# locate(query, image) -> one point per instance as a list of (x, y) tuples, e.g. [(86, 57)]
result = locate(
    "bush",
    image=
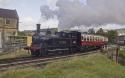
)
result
[(122, 53)]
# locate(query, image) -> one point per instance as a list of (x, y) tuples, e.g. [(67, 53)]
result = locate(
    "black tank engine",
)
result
[(61, 42)]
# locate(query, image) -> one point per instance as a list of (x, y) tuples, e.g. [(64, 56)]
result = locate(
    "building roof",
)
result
[(7, 13)]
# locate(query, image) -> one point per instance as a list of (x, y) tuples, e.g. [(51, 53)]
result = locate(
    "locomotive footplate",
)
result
[(53, 50)]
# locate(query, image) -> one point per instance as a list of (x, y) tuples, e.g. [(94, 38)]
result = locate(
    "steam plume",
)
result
[(71, 13)]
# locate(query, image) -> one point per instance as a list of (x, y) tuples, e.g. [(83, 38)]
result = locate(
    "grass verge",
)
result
[(92, 66), (17, 54)]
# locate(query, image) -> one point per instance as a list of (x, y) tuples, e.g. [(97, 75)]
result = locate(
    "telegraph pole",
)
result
[(3, 38)]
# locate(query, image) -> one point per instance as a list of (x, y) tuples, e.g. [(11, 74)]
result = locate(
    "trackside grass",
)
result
[(92, 66), (17, 54)]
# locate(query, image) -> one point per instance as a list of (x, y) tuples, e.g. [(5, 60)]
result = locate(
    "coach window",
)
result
[(97, 39), (87, 38), (84, 38), (94, 38), (100, 39), (91, 38), (103, 39)]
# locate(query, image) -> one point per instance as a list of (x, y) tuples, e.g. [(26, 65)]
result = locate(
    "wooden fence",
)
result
[(14, 45), (112, 52)]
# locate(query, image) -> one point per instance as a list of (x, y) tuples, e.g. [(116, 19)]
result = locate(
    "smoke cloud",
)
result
[(47, 13), (71, 13)]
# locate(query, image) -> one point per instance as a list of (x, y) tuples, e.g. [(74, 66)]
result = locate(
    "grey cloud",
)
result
[(46, 12), (73, 13), (3, 2)]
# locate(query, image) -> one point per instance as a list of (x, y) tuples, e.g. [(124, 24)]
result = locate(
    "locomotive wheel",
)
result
[(32, 53), (35, 53), (43, 52), (82, 49)]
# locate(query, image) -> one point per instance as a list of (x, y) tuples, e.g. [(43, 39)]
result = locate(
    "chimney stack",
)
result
[(38, 28)]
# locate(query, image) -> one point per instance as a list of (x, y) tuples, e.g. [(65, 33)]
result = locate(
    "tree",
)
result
[(21, 33), (100, 32), (112, 36), (91, 31)]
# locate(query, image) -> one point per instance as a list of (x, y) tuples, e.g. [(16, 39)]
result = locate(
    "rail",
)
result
[(39, 61)]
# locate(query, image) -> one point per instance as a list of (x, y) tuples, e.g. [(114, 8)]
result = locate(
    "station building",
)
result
[(9, 24)]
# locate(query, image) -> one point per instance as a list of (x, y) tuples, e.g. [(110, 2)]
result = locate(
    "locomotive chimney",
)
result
[(38, 28)]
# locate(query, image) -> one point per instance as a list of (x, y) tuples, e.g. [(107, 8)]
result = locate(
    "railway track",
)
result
[(9, 60), (29, 62)]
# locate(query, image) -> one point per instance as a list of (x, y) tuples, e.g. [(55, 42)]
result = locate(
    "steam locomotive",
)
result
[(64, 43)]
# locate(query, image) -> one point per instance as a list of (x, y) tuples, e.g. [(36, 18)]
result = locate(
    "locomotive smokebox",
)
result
[(38, 28)]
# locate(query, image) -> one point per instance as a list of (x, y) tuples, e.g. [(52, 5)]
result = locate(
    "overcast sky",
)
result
[(30, 14)]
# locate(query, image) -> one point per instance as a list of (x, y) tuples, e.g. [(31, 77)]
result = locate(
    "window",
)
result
[(87, 38), (97, 39), (7, 21)]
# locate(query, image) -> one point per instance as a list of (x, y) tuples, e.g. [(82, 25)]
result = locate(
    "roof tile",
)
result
[(7, 13)]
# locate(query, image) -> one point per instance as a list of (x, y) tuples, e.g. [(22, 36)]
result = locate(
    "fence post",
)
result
[(117, 53)]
